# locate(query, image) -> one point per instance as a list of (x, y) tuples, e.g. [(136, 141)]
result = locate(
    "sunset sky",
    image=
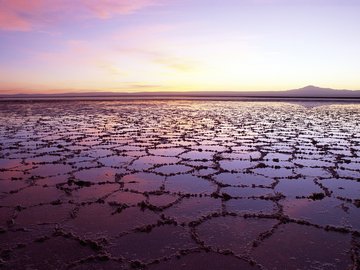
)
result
[(49, 46)]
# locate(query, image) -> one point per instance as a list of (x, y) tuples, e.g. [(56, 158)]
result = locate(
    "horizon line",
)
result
[(115, 93)]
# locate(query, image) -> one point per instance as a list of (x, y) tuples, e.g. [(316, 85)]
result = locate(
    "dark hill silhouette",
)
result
[(314, 91)]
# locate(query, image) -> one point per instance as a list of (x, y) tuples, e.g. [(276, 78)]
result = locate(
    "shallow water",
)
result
[(179, 184)]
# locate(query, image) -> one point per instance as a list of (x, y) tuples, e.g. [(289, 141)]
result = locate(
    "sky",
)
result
[(58, 46)]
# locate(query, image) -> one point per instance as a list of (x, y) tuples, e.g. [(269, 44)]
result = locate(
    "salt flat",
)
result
[(179, 184)]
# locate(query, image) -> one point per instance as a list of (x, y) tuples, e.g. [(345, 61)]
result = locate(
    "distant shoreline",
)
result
[(309, 92), (175, 97)]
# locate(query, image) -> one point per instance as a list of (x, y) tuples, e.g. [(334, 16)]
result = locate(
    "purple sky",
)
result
[(177, 45)]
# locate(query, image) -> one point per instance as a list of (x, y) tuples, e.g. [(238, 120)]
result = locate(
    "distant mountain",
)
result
[(305, 92), (313, 91)]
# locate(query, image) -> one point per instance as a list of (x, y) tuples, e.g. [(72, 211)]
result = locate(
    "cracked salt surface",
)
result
[(179, 185)]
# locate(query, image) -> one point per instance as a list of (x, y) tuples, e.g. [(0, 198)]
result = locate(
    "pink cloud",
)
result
[(12, 22), (25, 15), (108, 8)]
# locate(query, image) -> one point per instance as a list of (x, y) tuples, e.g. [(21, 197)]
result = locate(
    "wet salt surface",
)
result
[(179, 185)]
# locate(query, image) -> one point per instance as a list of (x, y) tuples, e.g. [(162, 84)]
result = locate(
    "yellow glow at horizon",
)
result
[(225, 66)]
